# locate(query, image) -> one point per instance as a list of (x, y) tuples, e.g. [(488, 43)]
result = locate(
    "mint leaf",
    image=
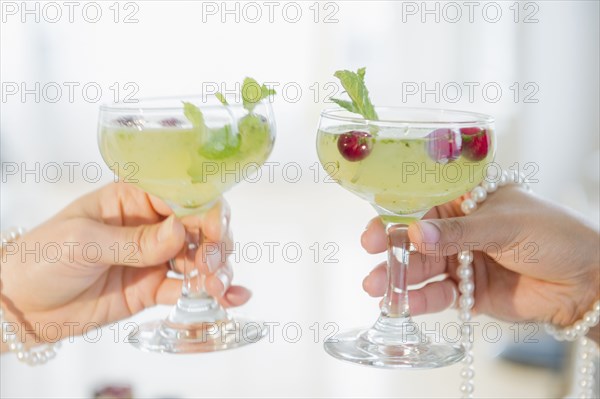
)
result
[(354, 84), (213, 143), (193, 114), (346, 104), (222, 143), (221, 98), (253, 93), (254, 132)]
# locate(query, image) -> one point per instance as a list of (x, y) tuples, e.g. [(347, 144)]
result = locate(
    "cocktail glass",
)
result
[(154, 145), (405, 163)]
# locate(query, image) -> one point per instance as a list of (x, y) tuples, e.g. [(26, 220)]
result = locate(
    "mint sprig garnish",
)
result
[(221, 98), (226, 141), (194, 115), (215, 143), (252, 93), (354, 85)]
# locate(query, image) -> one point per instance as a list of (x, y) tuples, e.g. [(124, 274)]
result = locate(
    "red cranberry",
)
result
[(444, 145), (355, 145), (129, 121), (170, 122), (475, 143)]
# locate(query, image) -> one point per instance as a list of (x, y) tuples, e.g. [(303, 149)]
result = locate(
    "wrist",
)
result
[(16, 333)]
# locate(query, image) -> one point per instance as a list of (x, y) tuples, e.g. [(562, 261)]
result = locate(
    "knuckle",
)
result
[(140, 240), (454, 229)]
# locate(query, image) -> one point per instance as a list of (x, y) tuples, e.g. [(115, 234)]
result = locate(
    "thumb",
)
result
[(143, 245), (452, 235)]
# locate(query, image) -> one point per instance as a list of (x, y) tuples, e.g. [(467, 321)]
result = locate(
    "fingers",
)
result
[(421, 269), (434, 297), (215, 223), (159, 205), (139, 246), (170, 289), (236, 295), (376, 282), (218, 283), (374, 239), (452, 235)]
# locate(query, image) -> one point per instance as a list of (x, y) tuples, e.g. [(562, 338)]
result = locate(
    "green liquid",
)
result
[(168, 162), (398, 176)]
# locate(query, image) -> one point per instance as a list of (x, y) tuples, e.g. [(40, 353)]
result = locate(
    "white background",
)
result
[(175, 47)]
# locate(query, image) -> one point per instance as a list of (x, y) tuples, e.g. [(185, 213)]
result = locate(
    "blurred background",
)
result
[(533, 65)]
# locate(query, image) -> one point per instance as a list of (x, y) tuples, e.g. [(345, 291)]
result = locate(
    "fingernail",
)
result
[(235, 297), (370, 223), (213, 257), (225, 280), (166, 230), (364, 283), (455, 297), (429, 232)]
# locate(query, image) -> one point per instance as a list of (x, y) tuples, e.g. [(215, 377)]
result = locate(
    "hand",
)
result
[(540, 261), (105, 257)]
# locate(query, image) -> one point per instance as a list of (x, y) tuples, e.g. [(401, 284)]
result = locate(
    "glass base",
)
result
[(195, 326), (393, 343)]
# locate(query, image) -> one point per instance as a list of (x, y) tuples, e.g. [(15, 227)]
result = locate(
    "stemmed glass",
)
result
[(405, 163), (188, 160)]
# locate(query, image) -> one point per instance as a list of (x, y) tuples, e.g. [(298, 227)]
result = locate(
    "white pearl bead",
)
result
[(580, 328), (468, 360), (570, 334), (467, 302), (464, 316), (514, 177), (591, 318), (465, 257), (588, 370), (466, 287), (33, 359), (468, 206), (584, 383), (466, 387), (478, 194), (489, 186), (464, 272), (23, 356), (503, 180), (597, 307), (467, 372)]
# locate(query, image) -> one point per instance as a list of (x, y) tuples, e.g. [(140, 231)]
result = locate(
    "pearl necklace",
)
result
[(466, 286)]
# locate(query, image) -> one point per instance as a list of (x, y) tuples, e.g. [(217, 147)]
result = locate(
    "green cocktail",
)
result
[(188, 154), (403, 173)]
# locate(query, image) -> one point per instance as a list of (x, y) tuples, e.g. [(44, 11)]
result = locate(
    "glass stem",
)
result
[(193, 280), (194, 305), (395, 301)]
